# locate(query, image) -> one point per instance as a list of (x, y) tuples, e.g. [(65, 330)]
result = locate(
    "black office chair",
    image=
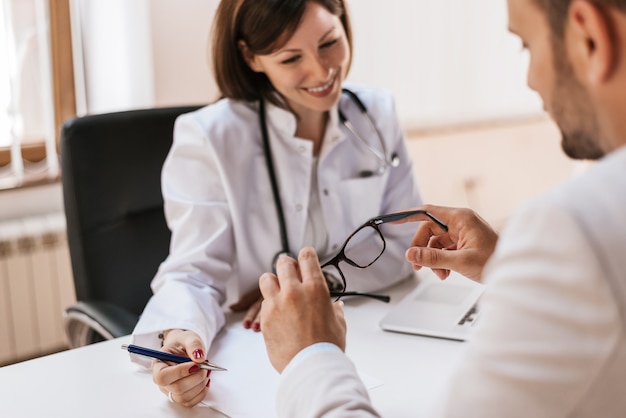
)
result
[(117, 234)]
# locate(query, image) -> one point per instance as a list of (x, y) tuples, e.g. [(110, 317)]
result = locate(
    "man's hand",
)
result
[(465, 248), (297, 310)]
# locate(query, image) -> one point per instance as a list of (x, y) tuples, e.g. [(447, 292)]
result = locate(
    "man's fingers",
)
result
[(310, 266), (287, 271), (269, 286), (442, 273), (432, 257), (422, 235), (338, 308)]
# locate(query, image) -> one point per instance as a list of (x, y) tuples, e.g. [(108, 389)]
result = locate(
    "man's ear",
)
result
[(249, 56), (590, 42)]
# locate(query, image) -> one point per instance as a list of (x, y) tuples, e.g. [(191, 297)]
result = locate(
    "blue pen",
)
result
[(162, 355)]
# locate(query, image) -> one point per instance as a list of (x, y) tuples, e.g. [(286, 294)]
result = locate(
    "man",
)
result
[(551, 341)]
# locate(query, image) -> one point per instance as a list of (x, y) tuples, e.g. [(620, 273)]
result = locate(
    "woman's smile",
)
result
[(324, 90)]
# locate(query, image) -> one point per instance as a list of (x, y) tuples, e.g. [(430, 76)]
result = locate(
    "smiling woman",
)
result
[(36, 82)]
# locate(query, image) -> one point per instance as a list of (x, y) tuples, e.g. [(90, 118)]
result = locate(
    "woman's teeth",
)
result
[(322, 88)]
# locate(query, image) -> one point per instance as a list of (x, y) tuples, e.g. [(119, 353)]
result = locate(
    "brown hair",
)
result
[(265, 26), (556, 12)]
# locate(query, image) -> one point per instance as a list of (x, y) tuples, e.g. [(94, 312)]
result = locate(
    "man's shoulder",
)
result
[(592, 202), (601, 186)]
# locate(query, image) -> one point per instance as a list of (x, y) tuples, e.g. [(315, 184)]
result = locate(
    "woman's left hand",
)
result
[(251, 302)]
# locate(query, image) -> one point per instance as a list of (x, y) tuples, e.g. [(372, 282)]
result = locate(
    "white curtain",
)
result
[(116, 55), (26, 104)]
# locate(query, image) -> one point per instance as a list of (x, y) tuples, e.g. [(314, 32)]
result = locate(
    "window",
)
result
[(36, 88)]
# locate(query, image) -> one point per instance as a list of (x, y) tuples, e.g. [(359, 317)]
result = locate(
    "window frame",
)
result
[(63, 89)]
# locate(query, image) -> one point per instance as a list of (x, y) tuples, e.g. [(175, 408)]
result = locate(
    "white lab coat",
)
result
[(220, 208)]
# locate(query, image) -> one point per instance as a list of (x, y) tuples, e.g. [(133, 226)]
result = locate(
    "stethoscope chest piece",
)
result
[(381, 155), (395, 160)]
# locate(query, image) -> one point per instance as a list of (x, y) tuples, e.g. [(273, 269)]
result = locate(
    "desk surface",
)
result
[(100, 381)]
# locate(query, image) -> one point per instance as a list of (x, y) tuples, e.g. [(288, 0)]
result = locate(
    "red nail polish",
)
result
[(198, 354), (246, 324), (208, 383), (256, 326), (194, 369), (208, 373)]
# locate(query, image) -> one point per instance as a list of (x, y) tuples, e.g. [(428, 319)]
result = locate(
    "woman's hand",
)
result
[(186, 383), (251, 302)]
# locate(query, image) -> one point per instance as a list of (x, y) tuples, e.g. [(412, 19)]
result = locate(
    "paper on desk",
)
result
[(248, 387)]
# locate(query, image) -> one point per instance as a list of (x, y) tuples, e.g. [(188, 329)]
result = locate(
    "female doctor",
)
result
[(284, 160)]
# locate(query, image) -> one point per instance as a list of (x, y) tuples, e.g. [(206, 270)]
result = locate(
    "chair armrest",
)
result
[(89, 322)]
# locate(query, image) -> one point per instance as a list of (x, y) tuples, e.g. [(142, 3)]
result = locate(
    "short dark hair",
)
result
[(556, 12), (265, 26)]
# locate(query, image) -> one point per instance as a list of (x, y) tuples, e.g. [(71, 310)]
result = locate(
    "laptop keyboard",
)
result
[(470, 316)]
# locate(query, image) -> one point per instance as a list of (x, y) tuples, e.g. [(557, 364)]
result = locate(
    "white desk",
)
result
[(100, 381)]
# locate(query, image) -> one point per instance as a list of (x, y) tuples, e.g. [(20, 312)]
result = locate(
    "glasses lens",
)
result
[(365, 247), (333, 278)]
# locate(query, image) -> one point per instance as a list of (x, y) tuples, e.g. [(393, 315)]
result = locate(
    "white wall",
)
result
[(180, 54), (144, 53), (31, 201), (447, 61)]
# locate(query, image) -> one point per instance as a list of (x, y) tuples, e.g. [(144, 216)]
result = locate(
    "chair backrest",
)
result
[(111, 176)]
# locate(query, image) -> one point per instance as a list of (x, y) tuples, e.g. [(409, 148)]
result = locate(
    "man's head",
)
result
[(577, 52)]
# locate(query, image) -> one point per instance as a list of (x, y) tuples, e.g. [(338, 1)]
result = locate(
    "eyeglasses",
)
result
[(357, 253)]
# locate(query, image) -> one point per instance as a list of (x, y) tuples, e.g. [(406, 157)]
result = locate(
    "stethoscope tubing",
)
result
[(282, 224), (393, 162), (387, 162)]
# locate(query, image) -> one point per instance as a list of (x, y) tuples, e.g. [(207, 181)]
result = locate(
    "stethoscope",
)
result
[(386, 162)]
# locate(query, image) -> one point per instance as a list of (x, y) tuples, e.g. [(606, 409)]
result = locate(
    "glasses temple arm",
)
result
[(393, 217), (382, 298)]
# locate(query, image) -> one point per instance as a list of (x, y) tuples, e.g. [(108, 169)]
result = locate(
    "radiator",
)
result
[(36, 285)]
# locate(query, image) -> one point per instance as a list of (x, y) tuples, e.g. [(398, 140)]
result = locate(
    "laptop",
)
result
[(436, 308)]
